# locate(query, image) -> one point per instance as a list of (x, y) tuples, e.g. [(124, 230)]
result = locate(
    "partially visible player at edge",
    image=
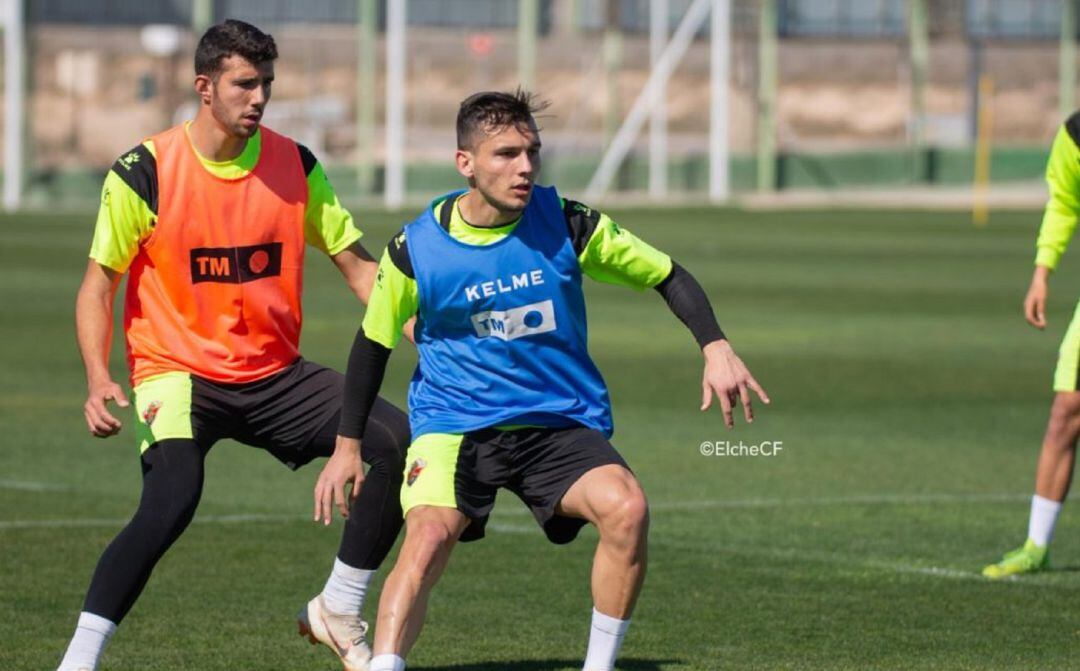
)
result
[(1055, 467), (209, 220), (505, 394)]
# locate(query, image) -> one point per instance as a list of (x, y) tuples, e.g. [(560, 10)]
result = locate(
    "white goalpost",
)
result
[(14, 107), (394, 189)]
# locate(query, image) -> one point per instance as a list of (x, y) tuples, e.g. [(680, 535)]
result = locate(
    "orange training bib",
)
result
[(215, 290)]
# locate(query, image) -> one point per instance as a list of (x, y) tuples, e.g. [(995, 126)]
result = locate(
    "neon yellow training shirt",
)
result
[(1063, 208)]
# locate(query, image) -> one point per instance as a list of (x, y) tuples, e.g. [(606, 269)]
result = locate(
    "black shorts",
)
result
[(537, 464), (282, 413)]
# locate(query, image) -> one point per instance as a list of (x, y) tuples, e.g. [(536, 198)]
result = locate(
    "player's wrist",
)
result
[(716, 348), (98, 378), (347, 445)]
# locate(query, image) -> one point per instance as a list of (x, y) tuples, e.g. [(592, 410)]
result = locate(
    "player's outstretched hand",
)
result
[(343, 468), (98, 418), (727, 377), (1035, 300)]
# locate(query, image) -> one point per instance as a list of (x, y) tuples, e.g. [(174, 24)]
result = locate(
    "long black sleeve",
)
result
[(363, 377), (688, 301)]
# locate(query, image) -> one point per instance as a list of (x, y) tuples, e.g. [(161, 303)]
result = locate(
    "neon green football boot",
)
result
[(1029, 558)]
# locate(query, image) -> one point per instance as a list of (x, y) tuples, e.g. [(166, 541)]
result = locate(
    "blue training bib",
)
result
[(501, 330)]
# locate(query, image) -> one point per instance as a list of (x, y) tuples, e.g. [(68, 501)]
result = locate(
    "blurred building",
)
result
[(843, 105)]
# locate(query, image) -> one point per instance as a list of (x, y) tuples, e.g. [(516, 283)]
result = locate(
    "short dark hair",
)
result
[(490, 111), (232, 38)]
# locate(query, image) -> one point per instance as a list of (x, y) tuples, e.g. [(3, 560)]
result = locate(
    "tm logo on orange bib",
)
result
[(235, 265)]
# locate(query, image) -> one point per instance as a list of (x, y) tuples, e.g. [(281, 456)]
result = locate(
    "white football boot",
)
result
[(344, 634)]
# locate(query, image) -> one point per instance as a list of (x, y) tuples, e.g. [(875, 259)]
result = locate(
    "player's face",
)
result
[(503, 165), (238, 95)]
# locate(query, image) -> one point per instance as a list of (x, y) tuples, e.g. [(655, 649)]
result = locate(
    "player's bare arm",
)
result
[(93, 327), (1035, 300), (359, 269)]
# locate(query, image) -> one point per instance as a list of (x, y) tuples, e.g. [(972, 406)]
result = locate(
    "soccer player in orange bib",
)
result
[(210, 221)]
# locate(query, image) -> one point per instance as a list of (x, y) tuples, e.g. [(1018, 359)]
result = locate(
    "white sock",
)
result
[(346, 588), (605, 638), (1044, 514), (91, 635), (386, 663)]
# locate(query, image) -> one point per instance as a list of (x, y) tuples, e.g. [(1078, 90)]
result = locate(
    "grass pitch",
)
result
[(908, 394)]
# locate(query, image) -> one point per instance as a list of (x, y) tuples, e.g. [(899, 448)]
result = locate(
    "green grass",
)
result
[(909, 395)]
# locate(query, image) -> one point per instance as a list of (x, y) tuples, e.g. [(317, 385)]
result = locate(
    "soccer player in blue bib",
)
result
[(505, 394)]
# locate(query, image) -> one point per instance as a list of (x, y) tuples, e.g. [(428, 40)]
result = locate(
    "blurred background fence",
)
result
[(820, 94)]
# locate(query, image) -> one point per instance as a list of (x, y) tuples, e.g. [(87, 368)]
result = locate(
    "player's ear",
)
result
[(464, 160), (203, 88)]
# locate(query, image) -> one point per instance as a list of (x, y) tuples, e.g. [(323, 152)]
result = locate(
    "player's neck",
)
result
[(212, 141), (479, 213)]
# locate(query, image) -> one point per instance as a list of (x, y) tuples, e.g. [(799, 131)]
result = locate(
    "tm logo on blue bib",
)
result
[(516, 323)]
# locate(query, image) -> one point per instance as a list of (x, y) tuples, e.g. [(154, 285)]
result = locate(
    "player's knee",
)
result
[(1064, 424), (626, 523), (431, 535), (158, 522), (175, 512), (428, 542)]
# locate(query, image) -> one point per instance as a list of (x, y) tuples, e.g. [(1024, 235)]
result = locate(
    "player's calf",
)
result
[(430, 535)]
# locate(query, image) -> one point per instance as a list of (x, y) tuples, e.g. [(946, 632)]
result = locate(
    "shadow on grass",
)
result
[(1073, 568), (552, 664)]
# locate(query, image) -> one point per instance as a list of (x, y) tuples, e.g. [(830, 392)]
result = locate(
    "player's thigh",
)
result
[(286, 411), (173, 472), (454, 471), (1067, 371), (430, 535), (550, 464), (167, 408)]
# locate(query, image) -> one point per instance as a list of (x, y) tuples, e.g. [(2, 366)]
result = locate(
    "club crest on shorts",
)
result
[(150, 414), (414, 471)]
